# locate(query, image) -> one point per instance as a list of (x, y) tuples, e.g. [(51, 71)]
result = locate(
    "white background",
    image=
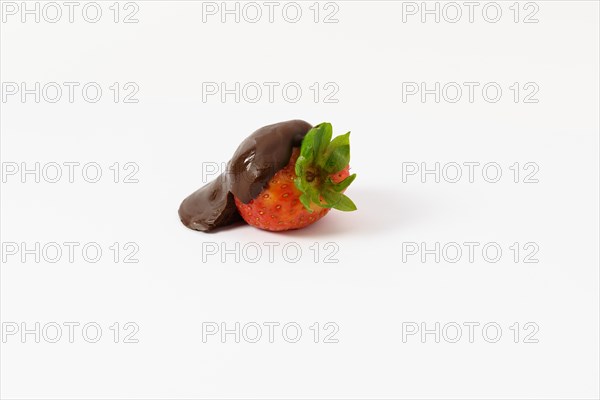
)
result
[(370, 292)]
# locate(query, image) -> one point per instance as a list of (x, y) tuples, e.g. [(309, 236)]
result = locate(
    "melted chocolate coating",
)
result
[(253, 164)]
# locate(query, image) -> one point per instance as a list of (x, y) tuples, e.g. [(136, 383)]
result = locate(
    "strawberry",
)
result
[(309, 186)]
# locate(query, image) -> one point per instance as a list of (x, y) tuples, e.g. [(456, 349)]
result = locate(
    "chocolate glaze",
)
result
[(253, 164)]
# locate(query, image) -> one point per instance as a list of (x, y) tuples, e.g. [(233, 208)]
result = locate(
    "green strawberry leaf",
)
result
[(315, 196), (300, 184), (321, 141), (331, 197), (308, 144), (338, 154), (319, 158), (299, 169), (339, 187), (345, 204), (342, 140), (305, 200)]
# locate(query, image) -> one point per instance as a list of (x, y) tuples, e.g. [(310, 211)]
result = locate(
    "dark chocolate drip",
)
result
[(253, 164)]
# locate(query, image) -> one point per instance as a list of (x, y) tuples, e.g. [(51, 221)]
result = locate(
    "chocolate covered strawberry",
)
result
[(312, 183)]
